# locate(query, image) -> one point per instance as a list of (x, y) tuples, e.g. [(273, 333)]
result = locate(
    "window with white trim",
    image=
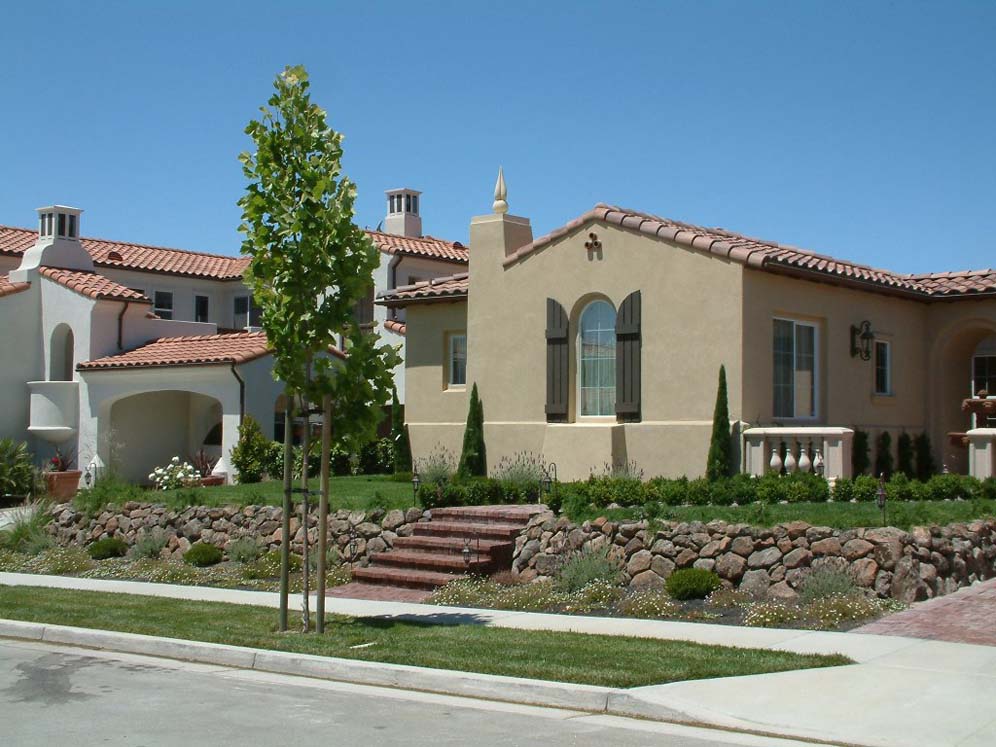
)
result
[(162, 304), (883, 367), (246, 313), (201, 306), (597, 360), (796, 365), (458, 360)]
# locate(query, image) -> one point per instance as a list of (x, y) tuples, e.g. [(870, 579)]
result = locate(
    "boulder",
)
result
[(706, 564), (764, 558), (887, 554), (797, 558), (730, 566), (743, 546), (646, 580), (393, 519), (782, 592), (828, 546), (640, 562), (685, 558), (857, 548), (755, 583), (864, 570), (662, 566), (548, 565)]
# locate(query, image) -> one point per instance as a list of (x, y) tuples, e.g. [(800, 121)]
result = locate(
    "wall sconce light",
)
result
[(861, 340)]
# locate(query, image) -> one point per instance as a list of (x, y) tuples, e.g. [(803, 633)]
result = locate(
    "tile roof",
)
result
[(773, 257), (7, 288), (393, 325), (428, 291), (92, 285), (237, 347), (142, 257), (425, 246)]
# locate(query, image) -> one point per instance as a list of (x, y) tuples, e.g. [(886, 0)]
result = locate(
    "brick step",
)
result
[(466, 529), (405, 577), (453, 545), (488, 514), (443, 562)]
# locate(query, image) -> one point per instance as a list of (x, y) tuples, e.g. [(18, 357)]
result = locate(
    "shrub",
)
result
[(769, 614), (202, 554), (16, 477), (149, 544), (904, 454), (691, 583), (522, 472), (473, 456), (268, 566), (718, 464), (830, 611), (925, 465), (109, 489), (402, 448), (437, 468), (109, 547), (883, 455), (724, 598), (648, 604), (377, 457), (826, 582), (59, 561), (174, 475), (597, 595), (250, 455), (244, 550), (273, 460), (26, 533), (586, 567), (859, 452)]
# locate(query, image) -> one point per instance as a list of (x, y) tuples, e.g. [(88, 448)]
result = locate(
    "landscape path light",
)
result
[(880, 496), (416, 482)]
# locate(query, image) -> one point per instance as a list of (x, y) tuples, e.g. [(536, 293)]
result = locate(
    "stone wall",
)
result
[(356, 534), (909, 566)]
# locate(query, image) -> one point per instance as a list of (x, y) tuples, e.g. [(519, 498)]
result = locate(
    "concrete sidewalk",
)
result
[(903, 692)]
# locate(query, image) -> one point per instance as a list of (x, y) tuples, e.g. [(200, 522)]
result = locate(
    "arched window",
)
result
[(597, 360), (60, 363)]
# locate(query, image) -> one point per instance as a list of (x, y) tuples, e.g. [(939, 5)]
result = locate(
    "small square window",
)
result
[(163, 304), (201, 304), (883, 367), (62, 224), (458, 360)]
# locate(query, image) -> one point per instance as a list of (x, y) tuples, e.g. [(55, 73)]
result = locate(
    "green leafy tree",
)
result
[(309, 266), (473, 457), (399, 438), (904, 452), (719, 464), (883, 455), (860, 460)]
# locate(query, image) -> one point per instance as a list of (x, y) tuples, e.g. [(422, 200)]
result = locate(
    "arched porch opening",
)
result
[(61, 354)]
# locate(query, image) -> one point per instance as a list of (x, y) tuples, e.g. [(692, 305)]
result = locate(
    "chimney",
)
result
[(58, 243), (403, 218), (495, 236)]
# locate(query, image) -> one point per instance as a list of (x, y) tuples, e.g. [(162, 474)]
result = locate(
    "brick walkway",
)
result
[(967, 616), (377, 592)]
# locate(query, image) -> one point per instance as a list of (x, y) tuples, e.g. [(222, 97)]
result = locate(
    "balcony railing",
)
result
[(820, 449), (54, 410)]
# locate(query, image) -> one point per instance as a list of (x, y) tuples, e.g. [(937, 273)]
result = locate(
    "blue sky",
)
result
[(863, 130)]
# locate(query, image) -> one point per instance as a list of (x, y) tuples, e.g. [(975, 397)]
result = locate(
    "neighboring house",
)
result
[(600, 344), (132, 353)]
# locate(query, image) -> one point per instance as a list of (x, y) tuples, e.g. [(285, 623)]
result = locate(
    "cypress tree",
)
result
[(718, 464), (399, 439), (883, 455), (904, 450), (473, 459), (925, 465), (859, 454)]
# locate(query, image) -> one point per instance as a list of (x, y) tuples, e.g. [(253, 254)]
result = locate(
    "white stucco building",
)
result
[(133, 354)]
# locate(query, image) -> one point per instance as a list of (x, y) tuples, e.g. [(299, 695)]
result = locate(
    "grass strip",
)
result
[(609, 661)]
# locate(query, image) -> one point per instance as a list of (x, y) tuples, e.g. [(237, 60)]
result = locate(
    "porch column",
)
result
[(982, 452)]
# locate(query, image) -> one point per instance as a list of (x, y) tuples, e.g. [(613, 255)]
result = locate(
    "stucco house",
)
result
[(141, 353), (600, 344)]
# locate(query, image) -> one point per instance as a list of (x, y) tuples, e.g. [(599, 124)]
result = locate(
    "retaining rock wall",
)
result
[(772, 563), (356, 534)]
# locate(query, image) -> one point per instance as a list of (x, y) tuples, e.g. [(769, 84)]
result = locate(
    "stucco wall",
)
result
[(22, 361)]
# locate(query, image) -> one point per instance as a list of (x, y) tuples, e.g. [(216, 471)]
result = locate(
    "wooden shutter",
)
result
[(628, 358), (557, 362)]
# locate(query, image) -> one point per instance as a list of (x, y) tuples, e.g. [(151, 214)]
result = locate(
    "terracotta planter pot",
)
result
[(63, 485), (211, 480)]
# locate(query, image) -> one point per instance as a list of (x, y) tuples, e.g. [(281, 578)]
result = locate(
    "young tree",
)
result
[(473, 457), (399, 439), (883, 455), (718, 464), (904, 453), (925, 465), (310, 264), (859, 453)]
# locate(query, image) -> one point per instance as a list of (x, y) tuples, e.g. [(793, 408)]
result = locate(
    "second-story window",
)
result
[(163, 304), (201, 305), (246, 313), (883, 367), (458, 360)]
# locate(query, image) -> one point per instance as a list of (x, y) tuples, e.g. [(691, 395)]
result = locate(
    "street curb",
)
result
[(520, 690)]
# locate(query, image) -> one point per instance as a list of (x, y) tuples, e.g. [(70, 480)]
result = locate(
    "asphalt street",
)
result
[(58, 695)]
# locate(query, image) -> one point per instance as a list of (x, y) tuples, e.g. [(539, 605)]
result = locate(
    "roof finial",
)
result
[(499, 205)]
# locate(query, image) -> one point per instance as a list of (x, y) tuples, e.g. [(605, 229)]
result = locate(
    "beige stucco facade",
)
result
[(699, 311)]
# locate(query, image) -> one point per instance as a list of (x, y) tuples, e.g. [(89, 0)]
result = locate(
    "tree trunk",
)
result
[(305, 565), (323, 511), (288, 507)]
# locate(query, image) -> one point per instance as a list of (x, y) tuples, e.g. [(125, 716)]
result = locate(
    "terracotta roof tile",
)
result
[(428, 291), (7, 288), (92, 285), (773, 257), (238, 347), (128, 256), (426, 246), (399, 328)]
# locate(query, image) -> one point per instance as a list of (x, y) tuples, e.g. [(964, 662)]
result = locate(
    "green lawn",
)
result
[(611, 661), (838, 515), (352, 492)]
